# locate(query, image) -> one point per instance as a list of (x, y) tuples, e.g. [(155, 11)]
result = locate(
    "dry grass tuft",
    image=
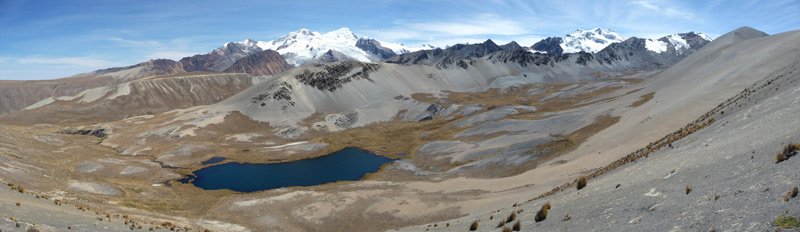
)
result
[(511, 217), (506, 229), (542, 214), (687, 189), (473, 226), (792, 193), (642, 99), (581, 183), (787, 152), (517, 226)]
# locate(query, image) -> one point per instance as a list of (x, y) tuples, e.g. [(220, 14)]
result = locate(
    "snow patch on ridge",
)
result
[(677, 41), (656, 46)]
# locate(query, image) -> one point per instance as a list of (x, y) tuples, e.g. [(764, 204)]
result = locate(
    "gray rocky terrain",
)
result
[(728, 167)]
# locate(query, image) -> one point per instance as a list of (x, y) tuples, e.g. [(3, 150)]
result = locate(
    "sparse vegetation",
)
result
[(542, 214), (581, 183), (792, 193), (643, 99), (787, 152), (511, 217), (784, 221), (473, 226)]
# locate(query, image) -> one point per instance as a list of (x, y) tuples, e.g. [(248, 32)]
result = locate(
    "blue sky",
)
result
[(51, 39)]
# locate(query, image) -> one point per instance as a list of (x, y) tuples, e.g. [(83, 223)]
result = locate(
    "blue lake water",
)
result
[(345, 165)]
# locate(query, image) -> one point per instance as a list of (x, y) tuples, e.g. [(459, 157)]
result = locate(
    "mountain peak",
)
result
[(305, 45), (748, 32), (303, 31), (248, 41), (591, 40), (343, 30), (342, 34), (740, 34)]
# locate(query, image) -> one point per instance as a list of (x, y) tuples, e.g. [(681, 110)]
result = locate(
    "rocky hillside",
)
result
[(221, 58), (715, 172), (260, 63), (447, 57), (141, 97)]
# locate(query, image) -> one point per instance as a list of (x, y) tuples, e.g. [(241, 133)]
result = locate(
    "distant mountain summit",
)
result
[(267, 62), (679, 43), (597, 39), (221, 58), (590, 41), (304, 45)]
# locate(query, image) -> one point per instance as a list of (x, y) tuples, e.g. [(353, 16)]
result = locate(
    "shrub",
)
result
[(788, 151), (517, 226), (784, 221), (506, 229), (511, 217), (473, 226), (582, 182), (792, 193), (542, 214), (780, 157), (688, 189)]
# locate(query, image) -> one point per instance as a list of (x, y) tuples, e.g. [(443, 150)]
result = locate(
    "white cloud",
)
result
[(665, 8), (88, 62), (173, 49), (137, 43), (484, 24), (440, 33), (170, 54)]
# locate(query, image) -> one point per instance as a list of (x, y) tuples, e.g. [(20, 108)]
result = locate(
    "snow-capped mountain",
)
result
[(305, 45), (402, 48), (680, 42), (591, 41)]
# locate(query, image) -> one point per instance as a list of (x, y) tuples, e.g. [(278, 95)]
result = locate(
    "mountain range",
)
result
[(306, 46)]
